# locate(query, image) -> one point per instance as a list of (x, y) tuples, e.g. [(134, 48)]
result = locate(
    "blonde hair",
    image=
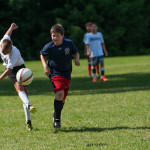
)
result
[(6, 45)]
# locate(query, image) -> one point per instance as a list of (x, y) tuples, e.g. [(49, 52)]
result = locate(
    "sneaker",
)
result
[(56, 122), (32, 109), (103, 78), (94, 79), (28, 125)]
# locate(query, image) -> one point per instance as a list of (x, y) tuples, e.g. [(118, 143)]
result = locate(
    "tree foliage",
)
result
[(125, 24)]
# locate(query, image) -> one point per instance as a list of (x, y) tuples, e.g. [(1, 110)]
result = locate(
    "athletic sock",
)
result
[(97, 67), (58, 106), (89, 69), (94, 72), (24, 98), (27, 113), (102, 71)]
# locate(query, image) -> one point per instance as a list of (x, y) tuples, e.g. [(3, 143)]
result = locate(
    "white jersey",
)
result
[(95, 43), (12, 59)]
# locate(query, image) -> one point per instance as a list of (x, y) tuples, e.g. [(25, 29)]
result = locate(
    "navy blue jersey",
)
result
[(60, 57)]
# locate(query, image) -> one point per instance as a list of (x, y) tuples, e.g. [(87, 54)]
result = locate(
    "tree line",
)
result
[(125, 24)]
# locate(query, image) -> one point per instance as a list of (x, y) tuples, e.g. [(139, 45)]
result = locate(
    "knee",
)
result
[(102, 64), (18, 87), (60, 95)]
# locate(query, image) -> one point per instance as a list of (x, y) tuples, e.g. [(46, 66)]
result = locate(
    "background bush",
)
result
[(125, 24)]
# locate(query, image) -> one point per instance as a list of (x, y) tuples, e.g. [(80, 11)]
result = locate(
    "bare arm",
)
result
[(5, 73), (46, 68), (76, 60), (88, 49), (85, 51), (104, 49), (11, 28)]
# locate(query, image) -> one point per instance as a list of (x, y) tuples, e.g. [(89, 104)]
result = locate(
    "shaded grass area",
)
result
[(83, 85)]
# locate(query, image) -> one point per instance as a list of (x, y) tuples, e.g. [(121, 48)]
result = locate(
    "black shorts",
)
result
[(12, 75)]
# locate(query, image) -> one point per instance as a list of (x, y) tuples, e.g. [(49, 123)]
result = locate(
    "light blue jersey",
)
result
[(85, 36), (95, 42), (84, 39)]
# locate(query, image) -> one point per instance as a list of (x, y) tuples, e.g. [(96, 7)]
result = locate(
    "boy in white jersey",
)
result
[(88, 28), (95, 44), (13, 62)]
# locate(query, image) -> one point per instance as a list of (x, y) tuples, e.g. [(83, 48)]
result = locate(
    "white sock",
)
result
[(27, 112), (94, 75), (24, 98)]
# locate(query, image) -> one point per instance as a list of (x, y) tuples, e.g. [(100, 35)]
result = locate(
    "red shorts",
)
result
[(60, 83)]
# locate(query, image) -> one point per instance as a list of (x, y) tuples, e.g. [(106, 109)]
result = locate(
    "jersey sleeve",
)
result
[(73, 48), (87, 41), (84, 38), (44, 51), (102, 39)]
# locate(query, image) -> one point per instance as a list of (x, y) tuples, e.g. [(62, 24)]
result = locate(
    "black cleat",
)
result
[(56, 122), (28, 125)]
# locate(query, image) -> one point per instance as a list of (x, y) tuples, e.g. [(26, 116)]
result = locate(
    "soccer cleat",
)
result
[(103, 78), (28, 125), (56, 122), (94, 79), (32, 109)]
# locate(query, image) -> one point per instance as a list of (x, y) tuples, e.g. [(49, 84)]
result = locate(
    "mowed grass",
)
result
[(113, 115)]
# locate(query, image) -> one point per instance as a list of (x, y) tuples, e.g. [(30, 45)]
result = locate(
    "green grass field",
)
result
[(113, 115)]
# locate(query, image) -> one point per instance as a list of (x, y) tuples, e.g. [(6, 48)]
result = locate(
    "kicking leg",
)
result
[(22, 92)]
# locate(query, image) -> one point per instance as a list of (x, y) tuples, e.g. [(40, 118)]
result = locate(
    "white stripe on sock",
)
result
[(27, 112)]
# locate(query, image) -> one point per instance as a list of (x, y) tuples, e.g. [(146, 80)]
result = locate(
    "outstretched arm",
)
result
[(46, 68), (6, 72), (12, 27)]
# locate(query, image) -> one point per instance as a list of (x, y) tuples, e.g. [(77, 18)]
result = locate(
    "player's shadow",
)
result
[(96, 129), (115, 84), (84, 85)]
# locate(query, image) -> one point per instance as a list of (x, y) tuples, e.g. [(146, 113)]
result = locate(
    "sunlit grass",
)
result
[(113, 115)]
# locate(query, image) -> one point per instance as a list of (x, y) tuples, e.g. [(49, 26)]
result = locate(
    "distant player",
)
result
[(88, 28), (95, 44), (13, 62), (59, 67)]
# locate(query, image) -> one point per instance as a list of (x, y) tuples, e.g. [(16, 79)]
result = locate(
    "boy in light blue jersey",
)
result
[(95, 45), (88, 28)]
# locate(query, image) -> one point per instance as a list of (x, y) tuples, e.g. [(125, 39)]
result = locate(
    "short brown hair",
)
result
[(88, 24), (6, 45), (94, 23), (57, 28)]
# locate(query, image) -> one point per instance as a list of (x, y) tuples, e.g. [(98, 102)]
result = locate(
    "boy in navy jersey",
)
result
[(59, 67)]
